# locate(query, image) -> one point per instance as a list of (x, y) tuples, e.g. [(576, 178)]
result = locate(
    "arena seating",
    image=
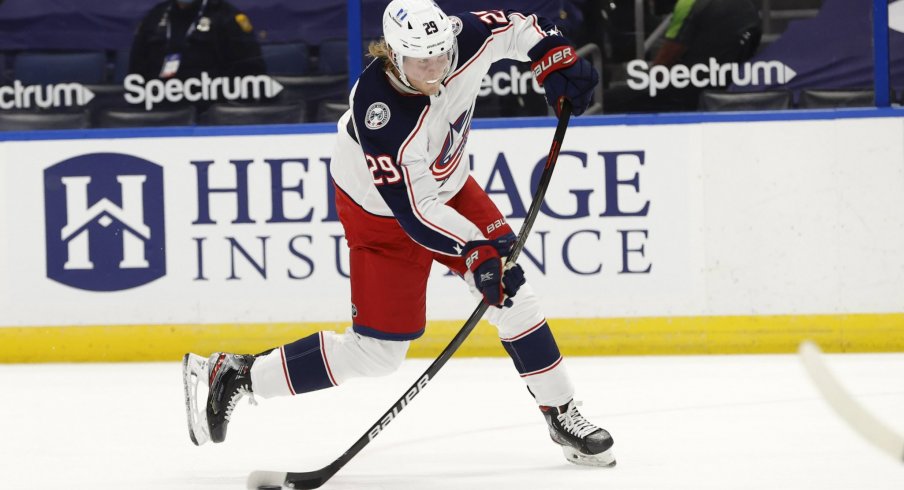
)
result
[(833, 99), (333, 57), (45, 68), (287, 59), (711, 100), (135, 118), (331, 110), (24, 121), (234, 114)]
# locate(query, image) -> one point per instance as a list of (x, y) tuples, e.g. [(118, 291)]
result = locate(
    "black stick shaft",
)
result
[(314, 479)]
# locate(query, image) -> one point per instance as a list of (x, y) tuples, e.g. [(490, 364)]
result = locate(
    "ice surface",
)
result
[(691, 422)]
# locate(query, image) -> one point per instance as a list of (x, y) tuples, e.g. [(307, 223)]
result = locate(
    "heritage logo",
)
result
[(104, 221)]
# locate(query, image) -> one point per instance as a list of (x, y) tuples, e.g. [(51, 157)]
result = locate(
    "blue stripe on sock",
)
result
[(304, 362), (533, 352)]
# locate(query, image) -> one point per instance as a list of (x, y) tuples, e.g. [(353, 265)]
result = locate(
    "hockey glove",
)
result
[(563, 74), (483, 259)]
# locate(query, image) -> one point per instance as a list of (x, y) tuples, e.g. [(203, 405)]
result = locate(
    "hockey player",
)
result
[(405, 199)]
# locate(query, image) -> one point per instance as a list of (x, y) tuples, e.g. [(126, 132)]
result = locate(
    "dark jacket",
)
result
[(221, 44), (727, 30)]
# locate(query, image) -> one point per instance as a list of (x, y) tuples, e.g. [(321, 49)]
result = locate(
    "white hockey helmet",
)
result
[(417, 29)]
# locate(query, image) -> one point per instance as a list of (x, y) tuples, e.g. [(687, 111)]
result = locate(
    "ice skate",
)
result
[(582, 442), (194, 369), (228, 379)]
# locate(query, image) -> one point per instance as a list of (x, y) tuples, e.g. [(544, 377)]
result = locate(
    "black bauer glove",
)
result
[(484, 259), (563, 74)]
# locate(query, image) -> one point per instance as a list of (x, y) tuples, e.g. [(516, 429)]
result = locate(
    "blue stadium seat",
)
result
[(834, 99), (331, 110), (3, 74), (105, 97), (31, 120), (47, 68), (230, 114), (769, 100), (137, 118), (312, 90), (286, 59), (333, 59), (121, 64)]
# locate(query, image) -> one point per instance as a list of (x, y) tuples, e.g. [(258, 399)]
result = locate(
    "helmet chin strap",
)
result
[(397, 62)]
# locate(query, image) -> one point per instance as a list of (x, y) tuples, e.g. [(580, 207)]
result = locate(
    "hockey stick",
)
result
[(314, 479), (865, 423)]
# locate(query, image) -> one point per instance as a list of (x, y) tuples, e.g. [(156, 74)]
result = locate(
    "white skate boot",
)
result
[(228, 379)]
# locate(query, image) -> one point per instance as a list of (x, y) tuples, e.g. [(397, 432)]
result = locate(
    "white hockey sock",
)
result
[(552, 388), (527, 338), (267, 376), (323, 360)]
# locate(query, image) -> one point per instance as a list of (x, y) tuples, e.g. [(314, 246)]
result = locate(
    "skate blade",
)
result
[(605, 459), (194, 369)]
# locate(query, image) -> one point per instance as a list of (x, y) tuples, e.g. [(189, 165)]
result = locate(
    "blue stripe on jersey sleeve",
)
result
[(545, 24), (396, 197), (384, 139), (475, 31), (473, 34)]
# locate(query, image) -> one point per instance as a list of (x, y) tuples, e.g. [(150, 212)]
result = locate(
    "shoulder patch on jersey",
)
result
[(377, 115), (456, 24)]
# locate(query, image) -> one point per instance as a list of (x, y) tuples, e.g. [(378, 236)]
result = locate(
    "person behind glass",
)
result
[(183, 38), (406, 198), (728, 31)]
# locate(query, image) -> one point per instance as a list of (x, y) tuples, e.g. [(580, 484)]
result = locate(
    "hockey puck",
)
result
[(269, 487)]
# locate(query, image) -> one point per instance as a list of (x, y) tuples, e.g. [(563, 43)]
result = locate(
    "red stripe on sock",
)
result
[(326, 363), (285, 370), (541, 371), (525, 333)]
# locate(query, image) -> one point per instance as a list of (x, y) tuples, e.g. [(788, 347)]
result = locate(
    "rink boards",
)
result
[(660, 234)]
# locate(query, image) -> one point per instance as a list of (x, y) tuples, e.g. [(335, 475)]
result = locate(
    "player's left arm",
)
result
[(554, 61)]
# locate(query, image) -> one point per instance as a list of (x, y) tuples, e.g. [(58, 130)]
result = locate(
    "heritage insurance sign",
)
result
[(244, 228)]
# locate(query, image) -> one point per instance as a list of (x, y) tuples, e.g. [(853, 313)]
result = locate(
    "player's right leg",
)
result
[(322, 360), (228, 379), (389, 279)]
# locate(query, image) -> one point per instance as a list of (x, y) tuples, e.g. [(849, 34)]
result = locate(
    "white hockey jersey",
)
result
[(399, 153)]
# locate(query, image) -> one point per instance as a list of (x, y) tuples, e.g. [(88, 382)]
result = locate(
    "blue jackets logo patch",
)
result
[(377, 115)]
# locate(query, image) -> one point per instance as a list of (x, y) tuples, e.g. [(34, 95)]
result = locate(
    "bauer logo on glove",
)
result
[(554, 60), (563, 74), (472, 258)]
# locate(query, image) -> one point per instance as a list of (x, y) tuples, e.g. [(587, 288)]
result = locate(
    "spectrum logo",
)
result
[(153, 92), (653, 79), (19, 96)]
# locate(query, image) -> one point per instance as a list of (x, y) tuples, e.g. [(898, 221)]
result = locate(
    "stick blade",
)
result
[(846, 406), (266, 478), (310, 479)]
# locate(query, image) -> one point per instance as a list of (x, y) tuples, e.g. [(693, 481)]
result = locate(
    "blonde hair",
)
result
[(379, 49)]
